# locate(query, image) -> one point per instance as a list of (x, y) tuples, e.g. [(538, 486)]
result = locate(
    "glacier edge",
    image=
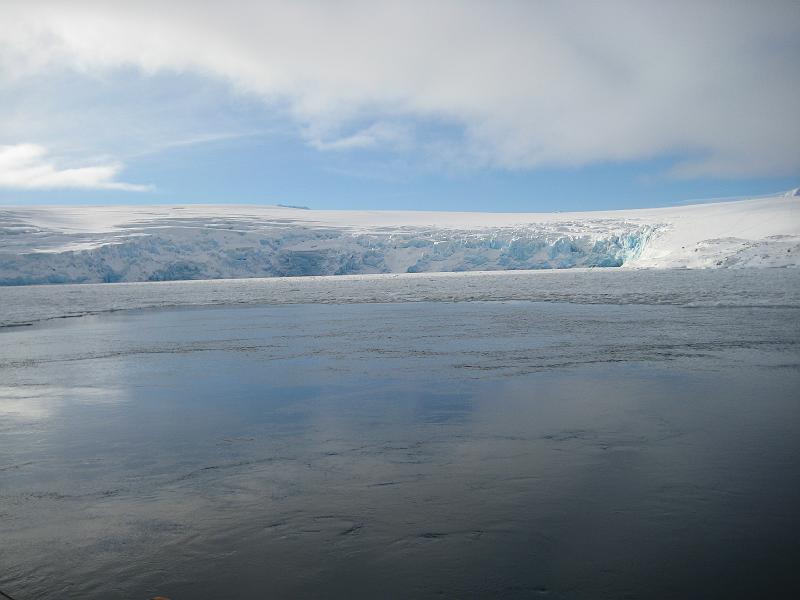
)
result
[(152, 243)]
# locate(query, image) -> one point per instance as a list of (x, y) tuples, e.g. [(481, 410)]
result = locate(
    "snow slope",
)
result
[(141, 243)]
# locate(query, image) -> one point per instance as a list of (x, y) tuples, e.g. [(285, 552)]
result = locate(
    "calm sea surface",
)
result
[(324, 440)]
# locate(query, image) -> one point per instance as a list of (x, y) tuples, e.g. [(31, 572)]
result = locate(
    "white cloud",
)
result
[(374, 136), (528, 84), (27, 167)]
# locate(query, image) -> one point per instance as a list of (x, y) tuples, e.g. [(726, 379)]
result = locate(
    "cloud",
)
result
[(377, 135), (27, 167), (525, 84)]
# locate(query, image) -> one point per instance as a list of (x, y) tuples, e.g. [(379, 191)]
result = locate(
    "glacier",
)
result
[(45, 245)]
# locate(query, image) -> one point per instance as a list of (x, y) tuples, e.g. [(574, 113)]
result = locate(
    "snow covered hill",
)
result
[(154, 243)]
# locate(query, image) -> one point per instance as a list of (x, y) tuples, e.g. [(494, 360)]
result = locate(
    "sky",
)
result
[(446, 105)]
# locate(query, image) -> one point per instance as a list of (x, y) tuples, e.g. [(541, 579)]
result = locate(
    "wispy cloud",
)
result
[(377, 135), (196, 140), (28, 167)]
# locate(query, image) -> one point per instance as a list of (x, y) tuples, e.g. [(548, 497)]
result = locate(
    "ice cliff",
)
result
[(110, 244)]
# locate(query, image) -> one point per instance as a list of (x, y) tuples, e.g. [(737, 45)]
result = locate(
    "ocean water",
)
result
[(24, 305), (331, 439)]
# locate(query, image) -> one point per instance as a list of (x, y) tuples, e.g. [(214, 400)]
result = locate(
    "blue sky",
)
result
[(507, 106)]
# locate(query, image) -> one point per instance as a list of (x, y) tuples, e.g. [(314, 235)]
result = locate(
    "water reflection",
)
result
[(413, 450), (38, 402)]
